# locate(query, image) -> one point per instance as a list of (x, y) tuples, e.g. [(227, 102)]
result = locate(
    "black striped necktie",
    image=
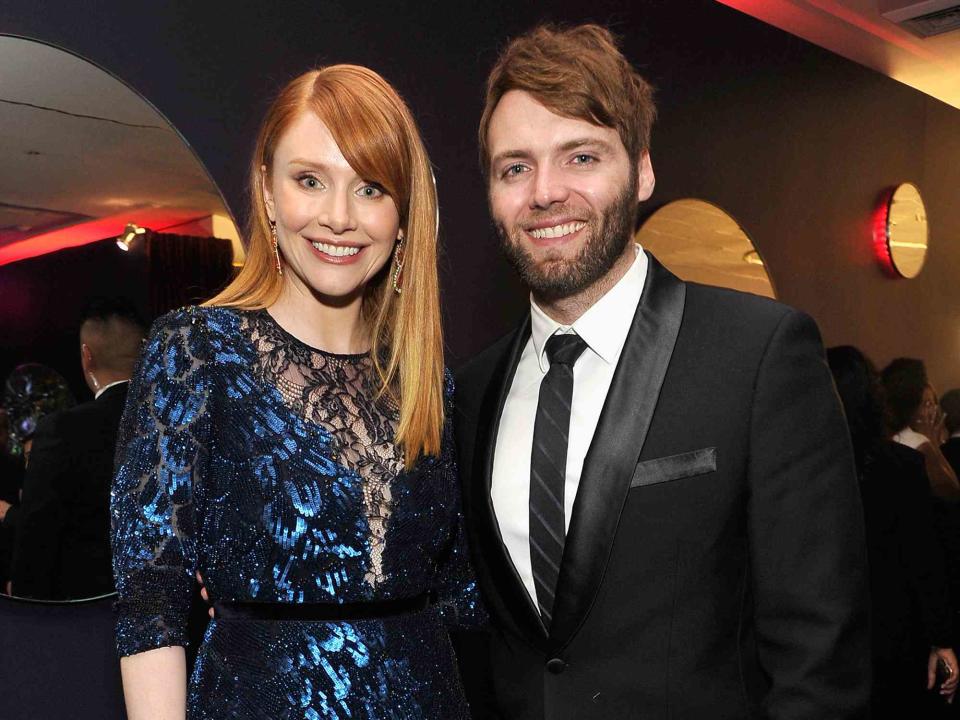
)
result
[(548, 465)]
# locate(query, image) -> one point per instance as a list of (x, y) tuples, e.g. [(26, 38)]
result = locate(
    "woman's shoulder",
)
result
[(201, 320), (197, 331)]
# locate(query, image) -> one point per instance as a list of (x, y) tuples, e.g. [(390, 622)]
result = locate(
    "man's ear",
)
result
[(86, 357), (645, 177), (267, 194)]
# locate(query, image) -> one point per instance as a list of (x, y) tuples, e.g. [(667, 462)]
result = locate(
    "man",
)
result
[(658, 479), (62, 547)]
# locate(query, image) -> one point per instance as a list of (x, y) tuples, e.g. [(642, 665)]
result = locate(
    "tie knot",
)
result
[(564, 349)]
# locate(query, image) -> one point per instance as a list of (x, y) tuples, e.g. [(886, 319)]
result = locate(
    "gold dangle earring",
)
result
[(398, 266), (276, 246)]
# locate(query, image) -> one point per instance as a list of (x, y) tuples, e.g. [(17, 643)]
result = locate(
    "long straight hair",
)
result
[(378, 137)]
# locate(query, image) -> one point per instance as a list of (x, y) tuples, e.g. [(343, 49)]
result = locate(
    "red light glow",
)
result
[(881, 234), (94, 230)]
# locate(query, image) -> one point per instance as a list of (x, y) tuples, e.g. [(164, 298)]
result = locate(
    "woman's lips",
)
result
[(336, 254)]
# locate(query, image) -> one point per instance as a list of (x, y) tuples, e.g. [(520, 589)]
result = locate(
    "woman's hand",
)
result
[(929, 422), (949, 686)]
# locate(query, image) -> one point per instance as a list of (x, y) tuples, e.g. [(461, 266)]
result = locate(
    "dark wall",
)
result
[(794, 142)]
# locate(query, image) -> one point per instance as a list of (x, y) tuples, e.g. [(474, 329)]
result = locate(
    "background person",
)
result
[(917, 421), (62, 546), (911, 616)]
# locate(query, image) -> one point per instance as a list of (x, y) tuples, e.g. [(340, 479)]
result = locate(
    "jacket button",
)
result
[(556, 666)]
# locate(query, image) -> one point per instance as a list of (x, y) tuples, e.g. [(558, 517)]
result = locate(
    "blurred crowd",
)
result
[(906, 443)]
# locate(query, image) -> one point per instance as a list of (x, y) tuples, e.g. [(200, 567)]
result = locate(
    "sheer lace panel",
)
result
[(339, 393)]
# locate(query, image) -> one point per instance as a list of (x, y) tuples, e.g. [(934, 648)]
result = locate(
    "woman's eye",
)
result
[(370, 191), (309, 182)]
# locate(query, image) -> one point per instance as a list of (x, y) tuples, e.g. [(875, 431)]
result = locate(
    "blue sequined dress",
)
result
[(269, 466)]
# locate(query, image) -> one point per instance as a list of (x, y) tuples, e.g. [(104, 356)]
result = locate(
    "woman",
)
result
[(288, 442), (910, 611), (917, 421)]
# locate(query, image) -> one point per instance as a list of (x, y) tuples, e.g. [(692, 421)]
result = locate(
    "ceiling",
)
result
[(82, 153), (856, 30)]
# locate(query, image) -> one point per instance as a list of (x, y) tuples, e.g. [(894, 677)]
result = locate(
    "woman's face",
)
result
[(336, 230)]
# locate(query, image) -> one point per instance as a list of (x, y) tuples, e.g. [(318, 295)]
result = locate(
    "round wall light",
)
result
[(900, 231)]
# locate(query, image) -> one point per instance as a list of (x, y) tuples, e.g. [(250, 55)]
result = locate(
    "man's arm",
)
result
[(36, 549), (807, 544)]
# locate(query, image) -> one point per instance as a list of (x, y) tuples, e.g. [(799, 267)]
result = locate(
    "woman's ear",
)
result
[(267, 193)]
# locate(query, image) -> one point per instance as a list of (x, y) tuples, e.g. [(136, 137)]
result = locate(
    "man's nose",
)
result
[(548, 188)]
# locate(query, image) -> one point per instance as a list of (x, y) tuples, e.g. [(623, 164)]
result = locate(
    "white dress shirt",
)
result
[(911, 438), (604, 328)]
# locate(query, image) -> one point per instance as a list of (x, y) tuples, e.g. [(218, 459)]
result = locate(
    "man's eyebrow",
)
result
[(577, 143), (509, 155)]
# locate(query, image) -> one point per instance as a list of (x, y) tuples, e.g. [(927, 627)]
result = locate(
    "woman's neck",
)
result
[(337, 326)]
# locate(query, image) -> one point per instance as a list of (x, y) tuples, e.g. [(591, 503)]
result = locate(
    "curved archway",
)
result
[(700, 242)]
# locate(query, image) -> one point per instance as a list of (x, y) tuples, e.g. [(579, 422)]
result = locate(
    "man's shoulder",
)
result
[(724, 302), (78, 420), (741, 317)]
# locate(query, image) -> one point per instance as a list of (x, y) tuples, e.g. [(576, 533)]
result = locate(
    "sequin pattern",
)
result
[(269, 467)]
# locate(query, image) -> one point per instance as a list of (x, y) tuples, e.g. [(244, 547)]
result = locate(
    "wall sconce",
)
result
[(901, 232), (752, 257), (130, 233)]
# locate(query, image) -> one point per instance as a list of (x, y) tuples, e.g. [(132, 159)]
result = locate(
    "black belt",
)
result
[(319, 612)]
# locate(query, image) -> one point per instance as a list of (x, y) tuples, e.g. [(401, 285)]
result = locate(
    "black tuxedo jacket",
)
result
[(714, 565), (62, 547)]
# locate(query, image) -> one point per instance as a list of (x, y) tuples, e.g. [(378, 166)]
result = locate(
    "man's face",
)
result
[(563, 195)]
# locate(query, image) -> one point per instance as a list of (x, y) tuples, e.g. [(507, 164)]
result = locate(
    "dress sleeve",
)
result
[(161, 454), (456, 591)]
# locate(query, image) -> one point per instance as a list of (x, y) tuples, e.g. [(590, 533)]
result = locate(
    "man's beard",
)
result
[(556, 277)]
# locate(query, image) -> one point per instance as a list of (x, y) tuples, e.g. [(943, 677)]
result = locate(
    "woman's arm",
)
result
[(161, 456), (943, 480), (154, 684)]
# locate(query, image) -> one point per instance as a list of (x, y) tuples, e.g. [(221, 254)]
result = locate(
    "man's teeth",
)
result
[(557, 230), (335, 250)]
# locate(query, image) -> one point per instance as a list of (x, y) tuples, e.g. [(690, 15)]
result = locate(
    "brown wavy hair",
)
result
[(576, 72), (378, 136)]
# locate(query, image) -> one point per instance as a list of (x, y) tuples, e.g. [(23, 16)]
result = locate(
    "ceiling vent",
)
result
[(923, 18)]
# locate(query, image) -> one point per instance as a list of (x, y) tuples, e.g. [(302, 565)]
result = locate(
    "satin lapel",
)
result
[(508, 584), (615, 449)]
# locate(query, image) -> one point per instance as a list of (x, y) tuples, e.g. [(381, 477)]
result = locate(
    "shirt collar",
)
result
[(604, 326), (106, 387)]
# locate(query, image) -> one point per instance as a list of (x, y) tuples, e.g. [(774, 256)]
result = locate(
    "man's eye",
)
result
[(583, 159), (514, 169)]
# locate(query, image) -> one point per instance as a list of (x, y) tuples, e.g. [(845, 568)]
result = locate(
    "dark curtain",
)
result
[(186, 270)]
